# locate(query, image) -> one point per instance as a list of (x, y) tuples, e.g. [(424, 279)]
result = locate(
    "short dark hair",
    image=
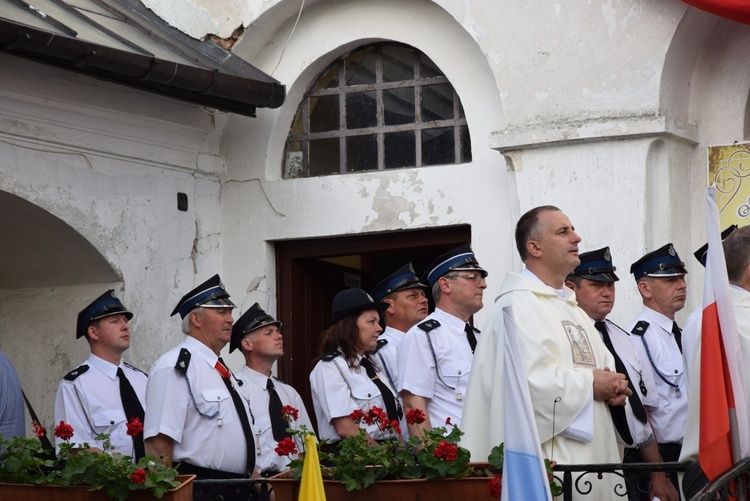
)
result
[(528, 227), (575, 279), (737, 253)]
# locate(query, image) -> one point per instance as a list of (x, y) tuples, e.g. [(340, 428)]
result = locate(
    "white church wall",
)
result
[(108, 161)]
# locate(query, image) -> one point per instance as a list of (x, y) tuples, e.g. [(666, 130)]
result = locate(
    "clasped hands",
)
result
[(610, 387)]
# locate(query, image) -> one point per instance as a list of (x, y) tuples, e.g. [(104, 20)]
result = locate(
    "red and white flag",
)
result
[(724, 428)]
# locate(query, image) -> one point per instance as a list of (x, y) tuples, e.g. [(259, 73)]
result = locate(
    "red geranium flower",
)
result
[(357, 415), (396, 427), (63, 431), (286, 447), (375, 415), (446, 451), (289, 413), (135, 427), (38, 429), (139, 476), (415, 416), (496, 486)]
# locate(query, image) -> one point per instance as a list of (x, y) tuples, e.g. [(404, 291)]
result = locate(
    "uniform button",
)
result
[(111, 422), (368, 395), (675, 371), (459, 373)]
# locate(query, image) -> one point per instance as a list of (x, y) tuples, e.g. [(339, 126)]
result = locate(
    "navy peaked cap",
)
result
[(700, 254), (663, 262), (401, 279), (596, 265), (209, 294), (352, 302), (252, 319), (105, 305), (459, 259)]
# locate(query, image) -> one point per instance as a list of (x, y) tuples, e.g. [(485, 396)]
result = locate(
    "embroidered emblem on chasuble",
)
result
[(580, 346)]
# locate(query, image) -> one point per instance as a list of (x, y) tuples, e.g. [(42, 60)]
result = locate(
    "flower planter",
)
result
[(28, 492), (473, 488)]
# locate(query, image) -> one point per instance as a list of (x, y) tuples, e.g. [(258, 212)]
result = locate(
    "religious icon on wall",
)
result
[(729, 168)]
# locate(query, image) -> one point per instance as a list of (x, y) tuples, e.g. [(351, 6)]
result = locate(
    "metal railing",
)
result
[(627, 475)]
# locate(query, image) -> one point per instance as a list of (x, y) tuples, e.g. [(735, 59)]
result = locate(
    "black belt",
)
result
[(201, 472)]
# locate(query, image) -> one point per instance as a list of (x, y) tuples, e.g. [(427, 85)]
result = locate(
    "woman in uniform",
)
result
[(346, 379)]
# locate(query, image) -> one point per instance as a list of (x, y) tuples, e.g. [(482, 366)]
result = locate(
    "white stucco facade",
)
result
[(604, 109)]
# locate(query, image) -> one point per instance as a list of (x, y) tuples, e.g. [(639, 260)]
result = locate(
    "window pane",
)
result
[(324, 113), (324, 157), (398, 64), (330, 78), (437, 146), (361, 153), (400, 150), (427, 68), (293, 160), (360, 67), (361, 110), (298, 122), (463, 132), (399, 106), (437, 102)]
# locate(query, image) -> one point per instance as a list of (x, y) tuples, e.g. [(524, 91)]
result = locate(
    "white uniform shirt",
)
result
[(387, 355), (417, 373), (669, 413), (637, 371), (91, 404), (253, 389), (216, 442), (338, 390)]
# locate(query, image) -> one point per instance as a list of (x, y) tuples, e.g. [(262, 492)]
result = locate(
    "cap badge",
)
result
[(607, 255), (221, 286), (672, 252)]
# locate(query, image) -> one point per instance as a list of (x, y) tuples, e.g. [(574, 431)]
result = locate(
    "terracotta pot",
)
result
[(27, 492), (473, 488)]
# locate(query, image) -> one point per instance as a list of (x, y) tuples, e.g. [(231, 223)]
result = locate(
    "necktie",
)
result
[(677, 335), (133, 408), (470, 336), (635, 401), (278, 425), (242, 413), (388, 399), (619, 418)]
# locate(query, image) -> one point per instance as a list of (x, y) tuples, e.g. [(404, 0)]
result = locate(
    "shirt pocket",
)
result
[(216, 403), (455, 370), (672, 370), (106, 419), (364, 393)]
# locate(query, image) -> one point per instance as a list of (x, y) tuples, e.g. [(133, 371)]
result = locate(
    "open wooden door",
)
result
[(310, 272)]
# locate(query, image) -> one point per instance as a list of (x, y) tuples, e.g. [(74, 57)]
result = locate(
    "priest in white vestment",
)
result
[(570, 373)]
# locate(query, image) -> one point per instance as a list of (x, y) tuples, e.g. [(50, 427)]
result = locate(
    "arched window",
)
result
[(383, 106)]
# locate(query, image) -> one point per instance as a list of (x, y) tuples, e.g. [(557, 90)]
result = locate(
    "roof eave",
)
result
[(207, 87)]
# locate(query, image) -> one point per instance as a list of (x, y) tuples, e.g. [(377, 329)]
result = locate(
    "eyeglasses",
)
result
[(476, 278)]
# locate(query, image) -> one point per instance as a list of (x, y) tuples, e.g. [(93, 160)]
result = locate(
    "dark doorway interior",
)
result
[(310, 272)]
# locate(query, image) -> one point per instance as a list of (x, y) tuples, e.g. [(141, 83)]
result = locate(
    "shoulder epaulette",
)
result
[(72, 375), (134, 368), (429, 325), (640, 328), (381, 343), (183, 361), (330, 356)]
